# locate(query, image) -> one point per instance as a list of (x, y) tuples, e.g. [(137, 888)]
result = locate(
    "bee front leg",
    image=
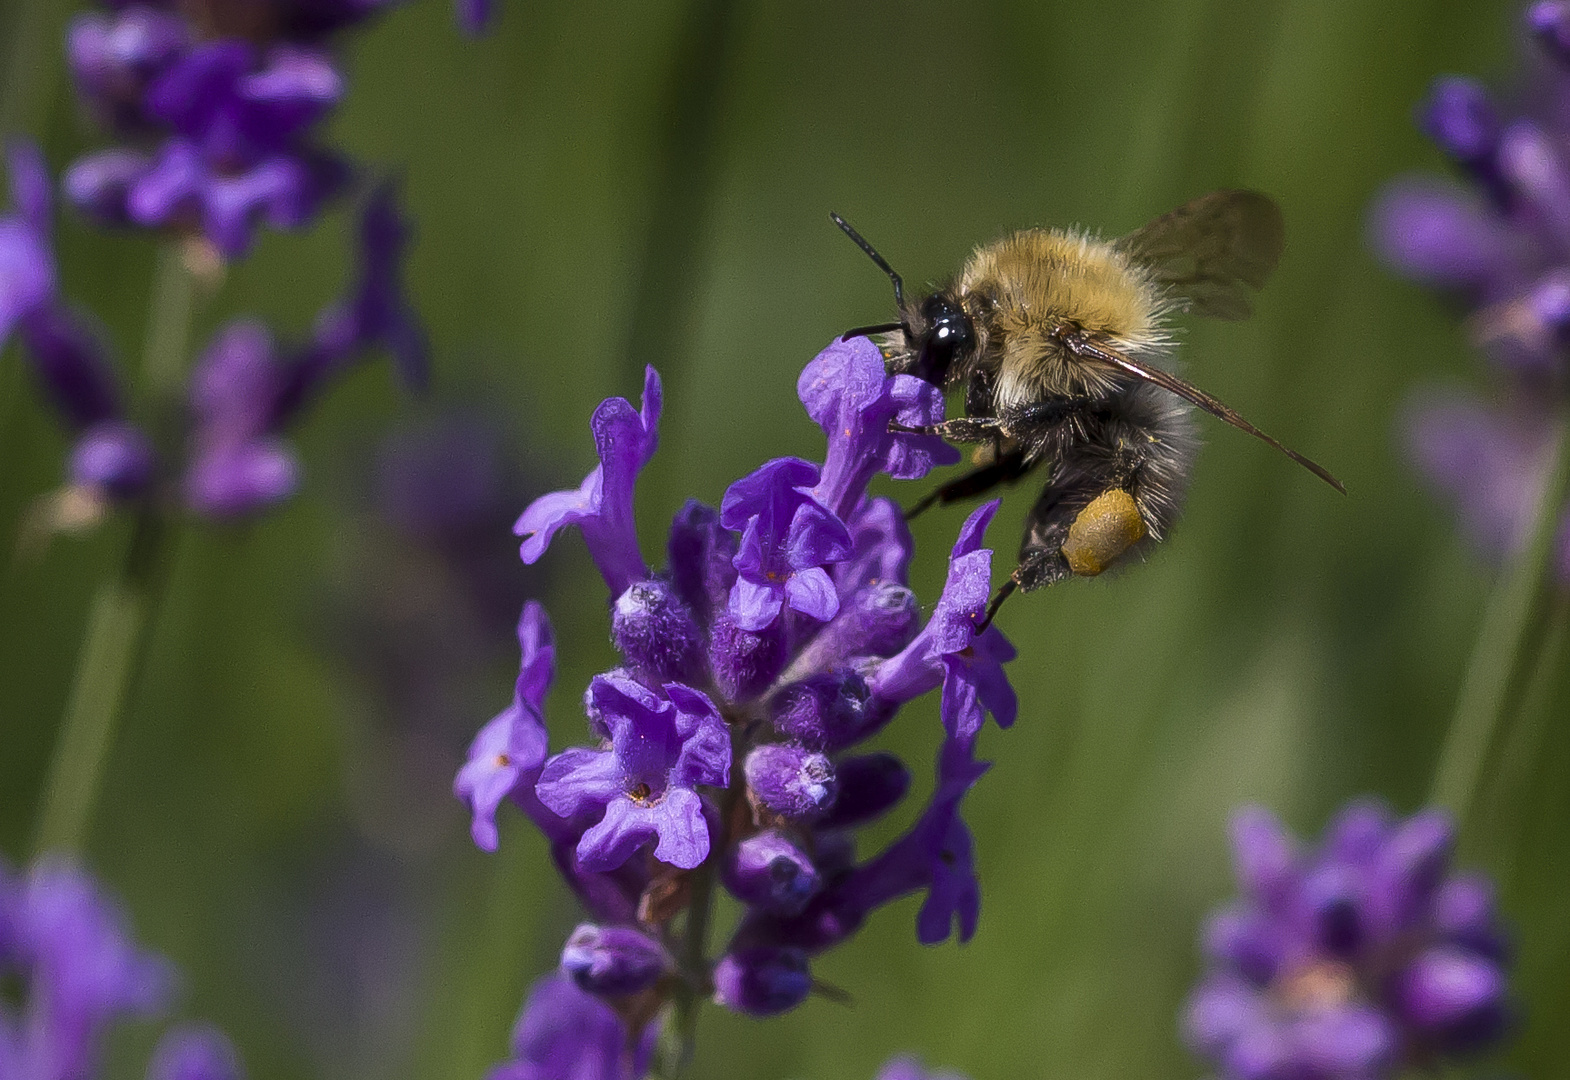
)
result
[(961, 429)]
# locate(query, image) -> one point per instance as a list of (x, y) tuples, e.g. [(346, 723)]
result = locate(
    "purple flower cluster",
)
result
[(1500, 244), (781, 635), (1361, 959), (244, 390), (65, 949), (216, 104)]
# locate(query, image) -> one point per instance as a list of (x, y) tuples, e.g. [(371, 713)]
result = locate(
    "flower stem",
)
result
[(679, 1036), (1502, 641), (112, 646)]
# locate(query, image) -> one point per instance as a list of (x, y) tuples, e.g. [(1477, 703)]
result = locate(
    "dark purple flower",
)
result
[(847, 392), (565, 1033), (762, 981), (662, 748), (509, 751), (1360, 959), (195, 1053), (114, 458), (602, 505), (658, 634), (613, 960), (788, 536)]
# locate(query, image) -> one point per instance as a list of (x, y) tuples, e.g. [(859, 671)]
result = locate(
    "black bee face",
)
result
[(942, 336)]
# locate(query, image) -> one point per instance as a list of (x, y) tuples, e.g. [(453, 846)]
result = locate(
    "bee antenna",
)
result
[(872, 253)]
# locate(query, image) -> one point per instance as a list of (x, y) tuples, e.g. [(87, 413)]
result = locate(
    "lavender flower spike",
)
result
[(602, 504), (1358, 960), (509, 751), (195, 1053), (908, 1068), (661, 750)]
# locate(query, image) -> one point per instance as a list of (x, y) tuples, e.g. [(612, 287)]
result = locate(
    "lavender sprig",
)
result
[(1360, 958), (781, 635), (1502, 247)]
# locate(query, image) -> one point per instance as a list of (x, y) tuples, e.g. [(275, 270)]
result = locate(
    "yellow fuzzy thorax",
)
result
[(1021, 287)]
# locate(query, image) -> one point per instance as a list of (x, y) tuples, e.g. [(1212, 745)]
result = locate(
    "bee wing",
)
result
[(1212, 250), (1089, 347)]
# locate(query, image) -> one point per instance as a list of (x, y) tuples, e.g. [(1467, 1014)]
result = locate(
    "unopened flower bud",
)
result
[(791, 780), (869, 786), (113, 457), (657, 633), (1456, 997), (766, 870), (879, 620), (825, 711), (613, 960), (745, 662), (762, 981)]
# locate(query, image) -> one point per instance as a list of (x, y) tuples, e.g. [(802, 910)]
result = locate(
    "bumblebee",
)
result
[(1061, 342)]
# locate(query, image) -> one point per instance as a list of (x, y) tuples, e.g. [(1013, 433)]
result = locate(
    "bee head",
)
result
[(941, 334)]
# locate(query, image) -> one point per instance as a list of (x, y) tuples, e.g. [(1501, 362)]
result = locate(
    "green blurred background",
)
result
[(604, 184)]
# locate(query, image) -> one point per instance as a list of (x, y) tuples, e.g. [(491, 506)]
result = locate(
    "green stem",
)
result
[(679, 1035), (1501, 641), (116, 628)]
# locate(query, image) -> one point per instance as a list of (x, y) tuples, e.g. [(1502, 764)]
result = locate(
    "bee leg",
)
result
[(1004, 470), (961, 429)]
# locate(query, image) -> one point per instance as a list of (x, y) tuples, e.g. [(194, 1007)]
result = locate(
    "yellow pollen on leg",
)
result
[(1103, 531)]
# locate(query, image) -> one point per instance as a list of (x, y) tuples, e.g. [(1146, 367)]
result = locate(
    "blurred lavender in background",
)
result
[(1499, 245), (72, 973), (1362, 958)]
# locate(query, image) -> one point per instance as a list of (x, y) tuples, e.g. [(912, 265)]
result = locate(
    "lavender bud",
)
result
[(194, 1053), (113, 457), (879, 620), (1549, 23), (825, 711), (868, 787), (762, 981), (1456, 998), (1460, 118), (656, 632), (791, 781), (745, 663), (613, 960), (701, 551), (1464, 913), (98, 184), (768, 871)]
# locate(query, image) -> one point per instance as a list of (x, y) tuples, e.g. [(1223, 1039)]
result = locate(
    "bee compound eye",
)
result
[(1102, 532)]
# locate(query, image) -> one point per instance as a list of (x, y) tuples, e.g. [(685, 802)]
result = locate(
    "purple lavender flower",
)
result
[(66, 945), (662, 748), (195, 1053), (784, 633), (1501, 247), (787, 538), (602, 505), (509, 751), (219, 107), (1361, 958), (245, 389), (908, 1068), (564, 1031)]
